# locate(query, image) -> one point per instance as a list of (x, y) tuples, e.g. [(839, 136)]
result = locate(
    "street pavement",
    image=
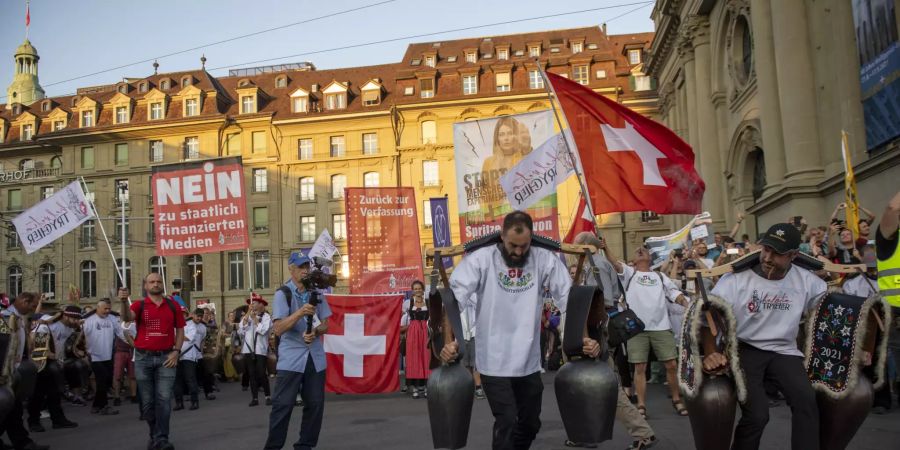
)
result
[(393, 421)]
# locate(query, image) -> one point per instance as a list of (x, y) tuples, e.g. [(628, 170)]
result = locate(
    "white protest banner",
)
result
[(537, 175), (50, 219), (324, 246), (660, 247)]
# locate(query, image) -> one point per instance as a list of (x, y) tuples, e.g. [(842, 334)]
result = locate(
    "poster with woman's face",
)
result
[(484, 151)]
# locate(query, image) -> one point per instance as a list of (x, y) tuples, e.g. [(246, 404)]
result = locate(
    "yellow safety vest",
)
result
[(889, 278)]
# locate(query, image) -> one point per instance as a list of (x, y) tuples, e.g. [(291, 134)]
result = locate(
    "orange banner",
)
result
[(383, 239)]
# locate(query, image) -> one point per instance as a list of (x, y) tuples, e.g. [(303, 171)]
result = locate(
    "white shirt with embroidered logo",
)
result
[(194, 333), (508, 304), (647, 294), (768, 312)]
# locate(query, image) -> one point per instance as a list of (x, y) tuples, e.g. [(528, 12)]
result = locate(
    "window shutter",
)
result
[(371, 96), (427, 84), (503, 79), (631, 82)]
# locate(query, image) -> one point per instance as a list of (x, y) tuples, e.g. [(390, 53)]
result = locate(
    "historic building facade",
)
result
[(303, 134), (761, 89)]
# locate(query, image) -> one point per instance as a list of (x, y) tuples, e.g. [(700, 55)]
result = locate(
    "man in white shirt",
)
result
[(191, 352), (100, 331), (647, 293), (768, 302), (504, 284), (255, 328)]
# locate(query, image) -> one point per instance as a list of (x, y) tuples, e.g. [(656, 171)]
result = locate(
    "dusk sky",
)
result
[(80, 38)]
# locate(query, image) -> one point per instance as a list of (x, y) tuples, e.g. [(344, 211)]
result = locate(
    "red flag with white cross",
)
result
[(630, 162), (362, 345)]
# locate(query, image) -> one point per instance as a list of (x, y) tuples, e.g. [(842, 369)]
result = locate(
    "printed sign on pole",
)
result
[(200, 207), (52, 218)]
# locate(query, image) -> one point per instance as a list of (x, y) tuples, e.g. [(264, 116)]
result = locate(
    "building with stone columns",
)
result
[(761, 89)]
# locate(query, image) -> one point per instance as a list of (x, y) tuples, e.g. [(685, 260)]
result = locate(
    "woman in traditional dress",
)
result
[(418, 355)]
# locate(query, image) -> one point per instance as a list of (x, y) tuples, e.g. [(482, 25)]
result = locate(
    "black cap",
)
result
[(782, 237), (72, 311)]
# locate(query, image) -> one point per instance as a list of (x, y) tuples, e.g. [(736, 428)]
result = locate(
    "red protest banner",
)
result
[(362, 346), (199, 207), (383, 239)]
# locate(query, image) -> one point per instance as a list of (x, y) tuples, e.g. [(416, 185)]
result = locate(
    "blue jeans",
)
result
[(155, 385), (311, 386)]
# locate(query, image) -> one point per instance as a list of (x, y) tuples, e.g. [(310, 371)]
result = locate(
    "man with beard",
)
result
[(504, 284), (160, 335), (768, 302)]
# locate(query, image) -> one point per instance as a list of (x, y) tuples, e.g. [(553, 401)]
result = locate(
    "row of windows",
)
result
[(503, 81), (503, 54)]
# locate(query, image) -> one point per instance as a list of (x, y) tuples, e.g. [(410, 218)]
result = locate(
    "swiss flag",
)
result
[(581, 221), (362, 346), (630, 162)]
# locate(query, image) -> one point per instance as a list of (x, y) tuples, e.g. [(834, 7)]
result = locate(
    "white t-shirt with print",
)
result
[(859, 286), (768, 312), (647, 297), (508, 306), (99, 333)]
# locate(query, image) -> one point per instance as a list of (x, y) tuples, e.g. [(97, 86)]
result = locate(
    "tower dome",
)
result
[(25, 88)]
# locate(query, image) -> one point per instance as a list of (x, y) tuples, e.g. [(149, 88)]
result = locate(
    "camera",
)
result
[(317, 278)]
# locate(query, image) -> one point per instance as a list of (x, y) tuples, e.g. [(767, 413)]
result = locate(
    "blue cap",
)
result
[(298, 259)]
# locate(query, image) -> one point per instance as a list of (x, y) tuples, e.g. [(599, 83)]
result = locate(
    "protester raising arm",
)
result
[(890, 220), (737, 225), (609, 256)]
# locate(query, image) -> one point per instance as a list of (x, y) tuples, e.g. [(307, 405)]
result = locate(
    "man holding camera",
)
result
[(301, 358)]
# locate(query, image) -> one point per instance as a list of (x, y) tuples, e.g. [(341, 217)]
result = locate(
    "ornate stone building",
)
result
[(762, 89)]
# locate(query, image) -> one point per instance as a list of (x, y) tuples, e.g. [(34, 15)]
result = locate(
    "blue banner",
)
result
[(440, 226), (879, 74)]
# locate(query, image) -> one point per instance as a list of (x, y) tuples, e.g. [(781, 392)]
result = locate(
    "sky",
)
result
[(80, 38)]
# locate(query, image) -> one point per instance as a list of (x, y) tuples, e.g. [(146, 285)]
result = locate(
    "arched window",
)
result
[(14, 281), (164, 85), (158, 264), (48, 279), (338, 183), (759, 173), (429, 132), (371, 179), (127, 268), (56, 162), (195, 266), (88, 279)]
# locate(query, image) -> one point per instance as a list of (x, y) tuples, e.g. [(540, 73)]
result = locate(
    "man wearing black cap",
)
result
[(768, 302)]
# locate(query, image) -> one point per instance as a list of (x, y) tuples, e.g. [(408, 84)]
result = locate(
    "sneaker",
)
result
[(36, 427), (254, 402), (194, 406), (425, 392), (479, 393), (569, 443), (415, 393), (403, 388), (45, 414), (643, 443), (166, 446), (65, 423), (117, 401), (210, 397), (268, 401)]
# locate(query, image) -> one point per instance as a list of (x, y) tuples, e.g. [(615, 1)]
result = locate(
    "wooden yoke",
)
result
[(439, 252)]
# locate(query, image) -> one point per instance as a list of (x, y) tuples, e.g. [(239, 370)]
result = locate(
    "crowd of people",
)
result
[(155, 351)]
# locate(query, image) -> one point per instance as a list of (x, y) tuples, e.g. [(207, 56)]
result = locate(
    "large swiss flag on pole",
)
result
[(362, 346), (581, 221), (630, 162)]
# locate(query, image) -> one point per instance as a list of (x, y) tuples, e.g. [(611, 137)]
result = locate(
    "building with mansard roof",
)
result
[(303, 134)]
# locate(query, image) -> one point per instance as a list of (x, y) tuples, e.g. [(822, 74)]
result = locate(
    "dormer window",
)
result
[(503, 82), (371, 93), (577, 47), (17, 109), (634, 56), (281, 82), (142, 88), (185, 82), (300, 101), (121, 114), (87, 119), (248, 104), (244, 83), (58, 125), (191, 107), (335, 101), (415, 62), (164, 85), (123, 88), (45, 106), (426, 87), (503, 54), (430, 60), (74, 101), (471, 57), (27, 132), (156, 111)]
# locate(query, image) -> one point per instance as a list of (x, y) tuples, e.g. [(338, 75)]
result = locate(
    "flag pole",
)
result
[(103, 231), (560, 121), (123, 195), (27, 17)]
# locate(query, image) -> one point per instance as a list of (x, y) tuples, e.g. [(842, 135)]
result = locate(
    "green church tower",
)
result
[(25, 88)]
